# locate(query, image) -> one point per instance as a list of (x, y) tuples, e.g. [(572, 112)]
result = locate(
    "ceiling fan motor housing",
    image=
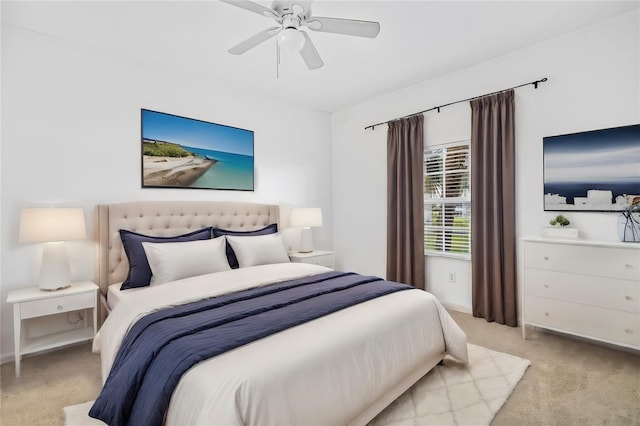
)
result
[(302, 9), (290, 21)]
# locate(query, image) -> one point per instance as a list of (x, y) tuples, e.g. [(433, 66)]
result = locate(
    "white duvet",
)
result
[(338, 369)]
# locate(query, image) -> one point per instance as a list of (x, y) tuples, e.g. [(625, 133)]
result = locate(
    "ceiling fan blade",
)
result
[(309, 54), (254, 40), (352, 27), (252, 7)]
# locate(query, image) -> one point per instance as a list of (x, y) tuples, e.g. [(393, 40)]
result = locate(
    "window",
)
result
[(447, 199)]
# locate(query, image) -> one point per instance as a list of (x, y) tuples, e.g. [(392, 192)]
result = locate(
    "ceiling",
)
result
[(418, 40)]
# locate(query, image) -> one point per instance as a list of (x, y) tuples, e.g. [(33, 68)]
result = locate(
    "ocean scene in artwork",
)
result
[(182, 152), (231, 170), (592, 171)]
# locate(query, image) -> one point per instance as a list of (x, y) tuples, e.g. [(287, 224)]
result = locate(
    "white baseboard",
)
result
[(7, 358), (458, 308)]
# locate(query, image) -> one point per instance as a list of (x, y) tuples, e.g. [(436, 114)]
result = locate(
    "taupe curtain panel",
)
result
[(405, 201), (493, 230)]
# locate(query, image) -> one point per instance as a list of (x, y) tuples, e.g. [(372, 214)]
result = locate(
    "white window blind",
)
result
[(447, 199)]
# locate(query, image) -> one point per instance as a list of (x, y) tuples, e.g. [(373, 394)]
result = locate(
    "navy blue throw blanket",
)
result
[(164, 344)]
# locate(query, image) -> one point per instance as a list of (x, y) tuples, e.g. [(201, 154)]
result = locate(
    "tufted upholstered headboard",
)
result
[(167, 218)]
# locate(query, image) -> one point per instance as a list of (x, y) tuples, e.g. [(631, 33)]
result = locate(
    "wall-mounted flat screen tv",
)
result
[(180, 152), (597, 170)]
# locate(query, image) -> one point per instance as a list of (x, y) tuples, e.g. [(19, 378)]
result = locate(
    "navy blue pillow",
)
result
[(139, 269), (231, 256)]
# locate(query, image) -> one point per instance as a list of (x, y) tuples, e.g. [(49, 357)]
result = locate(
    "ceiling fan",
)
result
[(290, 17)]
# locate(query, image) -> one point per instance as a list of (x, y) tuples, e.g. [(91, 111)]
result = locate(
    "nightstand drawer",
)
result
[(318, 257), (54, 305), (325, 260)]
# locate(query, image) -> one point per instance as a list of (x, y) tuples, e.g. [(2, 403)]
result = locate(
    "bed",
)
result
[(341, 368)]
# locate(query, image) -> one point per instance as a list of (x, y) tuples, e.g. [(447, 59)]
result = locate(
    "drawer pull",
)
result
[(546, 314), (546, 286), (627, 265), (60, 307), (628, 297), (546, 258), (628, 330)]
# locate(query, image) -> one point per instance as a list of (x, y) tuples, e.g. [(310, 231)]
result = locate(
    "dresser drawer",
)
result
[(580, 259), (608, 293), (54, 305), (587, 321)]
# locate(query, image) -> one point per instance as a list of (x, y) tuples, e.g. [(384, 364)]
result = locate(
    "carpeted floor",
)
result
[(569, 382)]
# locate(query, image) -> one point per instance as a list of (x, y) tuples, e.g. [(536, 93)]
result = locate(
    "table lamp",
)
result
[(306, 218), (53, 226)]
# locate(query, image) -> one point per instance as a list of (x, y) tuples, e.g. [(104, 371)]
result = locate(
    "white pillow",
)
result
[(174, 261), (258, 250)]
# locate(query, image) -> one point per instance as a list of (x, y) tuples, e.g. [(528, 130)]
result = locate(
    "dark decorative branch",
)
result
[(631, 223)]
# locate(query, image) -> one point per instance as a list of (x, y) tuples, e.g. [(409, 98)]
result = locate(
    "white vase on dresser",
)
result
[(585, 288)]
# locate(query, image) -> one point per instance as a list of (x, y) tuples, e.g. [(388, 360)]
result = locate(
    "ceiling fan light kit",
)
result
[(290, 17), (292, 39)]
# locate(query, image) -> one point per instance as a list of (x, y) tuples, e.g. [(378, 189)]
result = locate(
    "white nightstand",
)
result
[(316, 257), (33, 302)]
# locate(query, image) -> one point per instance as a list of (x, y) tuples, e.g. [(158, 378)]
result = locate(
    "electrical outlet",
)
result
[(452, 277)]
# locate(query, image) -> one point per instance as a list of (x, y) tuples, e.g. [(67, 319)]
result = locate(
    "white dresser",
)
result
[(585, 288)]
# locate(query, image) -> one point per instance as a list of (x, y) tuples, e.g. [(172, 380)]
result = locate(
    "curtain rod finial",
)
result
[(535, 83)]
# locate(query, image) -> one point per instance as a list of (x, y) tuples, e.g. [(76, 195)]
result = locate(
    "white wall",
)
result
[(71, 137), (593, 83)]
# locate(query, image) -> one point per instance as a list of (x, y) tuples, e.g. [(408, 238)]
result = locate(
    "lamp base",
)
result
[(54, 289), (306, 240), (54, 270)]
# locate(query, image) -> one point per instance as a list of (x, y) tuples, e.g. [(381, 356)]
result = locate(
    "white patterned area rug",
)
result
[(457, 394), (450, 394)]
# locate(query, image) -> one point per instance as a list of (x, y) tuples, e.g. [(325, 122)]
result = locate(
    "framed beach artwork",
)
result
[(180, 152), (597, 170)]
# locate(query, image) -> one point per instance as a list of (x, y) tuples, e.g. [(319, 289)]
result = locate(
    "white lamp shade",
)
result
[(41, 225), (306, 217)]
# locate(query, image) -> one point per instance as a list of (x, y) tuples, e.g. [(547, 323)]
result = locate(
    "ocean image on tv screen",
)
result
[(592, 171), (179, 152)]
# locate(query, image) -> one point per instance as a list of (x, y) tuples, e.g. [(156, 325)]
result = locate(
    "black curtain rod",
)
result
[(437, 108)]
